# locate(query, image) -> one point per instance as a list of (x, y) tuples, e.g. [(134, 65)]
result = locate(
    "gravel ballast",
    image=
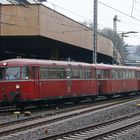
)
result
[(80, 122)]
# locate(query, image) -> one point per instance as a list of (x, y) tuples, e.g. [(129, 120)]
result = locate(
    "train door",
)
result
[(44, 82), (54, 82), (69, 80), (35, 76), (98, 72), (103, 81)]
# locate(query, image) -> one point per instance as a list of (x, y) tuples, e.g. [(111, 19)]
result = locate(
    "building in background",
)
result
[(36, 31)]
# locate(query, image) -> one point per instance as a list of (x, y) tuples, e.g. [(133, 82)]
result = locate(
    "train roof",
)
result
[(107, 66), (38, 62)]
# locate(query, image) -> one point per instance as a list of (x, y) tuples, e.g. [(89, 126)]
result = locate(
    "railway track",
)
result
[(100, 131), (7, 109), (32, 122)]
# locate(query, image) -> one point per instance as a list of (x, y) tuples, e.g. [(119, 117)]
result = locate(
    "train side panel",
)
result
[(53, 88), (75, 82), (26, 90), (84, 87), (124, 86), (42, 80), (116, 80), (104, 86)]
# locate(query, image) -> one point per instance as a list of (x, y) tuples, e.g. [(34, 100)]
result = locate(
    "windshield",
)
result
[(14, 73)]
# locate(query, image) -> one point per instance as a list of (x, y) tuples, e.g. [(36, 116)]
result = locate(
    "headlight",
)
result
[(17, 86), (4, 64)]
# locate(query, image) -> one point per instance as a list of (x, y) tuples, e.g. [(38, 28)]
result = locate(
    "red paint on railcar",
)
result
[(118, 79), (39, 80), (45, 80)]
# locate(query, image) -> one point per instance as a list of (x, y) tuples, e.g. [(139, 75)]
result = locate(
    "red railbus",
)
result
[(32, 81), (114, 80)]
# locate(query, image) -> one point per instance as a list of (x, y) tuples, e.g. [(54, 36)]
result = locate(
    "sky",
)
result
[(128, 12)]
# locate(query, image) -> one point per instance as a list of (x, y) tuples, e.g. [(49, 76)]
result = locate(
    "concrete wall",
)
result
[(40, 20), (57, 26), (18, 20)]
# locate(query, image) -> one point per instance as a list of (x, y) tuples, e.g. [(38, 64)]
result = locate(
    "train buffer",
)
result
[(138, 105), (17, 114), (27, 113)]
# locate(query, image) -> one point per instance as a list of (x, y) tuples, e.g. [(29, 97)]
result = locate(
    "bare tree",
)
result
[(114, 37)]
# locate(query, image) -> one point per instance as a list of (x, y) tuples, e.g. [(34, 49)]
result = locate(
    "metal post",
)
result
[(115, 56), (122, 50), (123, 55), (95, 32)]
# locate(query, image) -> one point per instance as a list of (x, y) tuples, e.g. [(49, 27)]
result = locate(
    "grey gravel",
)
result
[(132, 134), (82, 121)]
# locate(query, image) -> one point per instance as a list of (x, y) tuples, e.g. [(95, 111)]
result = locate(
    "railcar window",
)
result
[(25, 73), (130, 74), (1, 73), (105, 74), (81, 73), (98, 74), (116, 74), (113, 74), (75, 73), (52, 73), (137, 74), (34, 72), (69, 73), (127, 74), (121, 74), (93, 73), (88, 74), (124, 74), (61, 73), (133, 74), (44, 72), (12, 73), (102, 74)]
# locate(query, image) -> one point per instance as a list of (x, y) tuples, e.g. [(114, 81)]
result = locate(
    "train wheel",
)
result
[(93, 98), (125, 95), (109, 96)]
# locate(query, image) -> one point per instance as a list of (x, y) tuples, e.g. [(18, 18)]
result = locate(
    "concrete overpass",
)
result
[(36, 31)]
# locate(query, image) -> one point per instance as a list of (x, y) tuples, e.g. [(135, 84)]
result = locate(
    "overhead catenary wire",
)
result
[(132, 7), (26, 18), (82, 16), (89, 19), (118, 11), (125, 14), (98, 2)]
